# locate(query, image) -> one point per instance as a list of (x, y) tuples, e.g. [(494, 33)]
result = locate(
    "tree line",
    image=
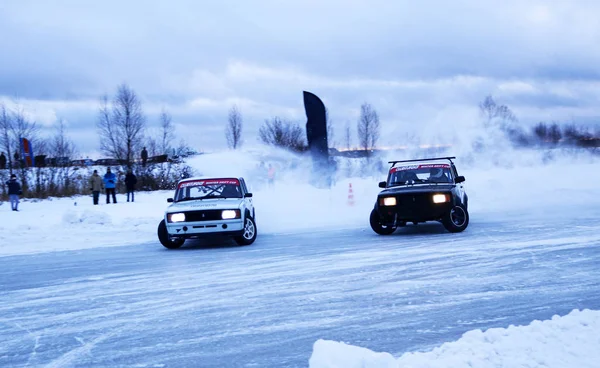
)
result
[(543, 134), (123, 132), (287, 134)]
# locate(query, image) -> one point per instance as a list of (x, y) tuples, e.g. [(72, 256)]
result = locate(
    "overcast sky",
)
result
[(423, 65)]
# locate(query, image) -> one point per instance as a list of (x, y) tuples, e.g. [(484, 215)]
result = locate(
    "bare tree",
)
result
[(233, 133), (63, 150), (554, 133), (167, 132), (110, 141), (368, 128), (121, 125), (285, 134), (541, 132), (329, 124), (44, 179), (491, 111), (348, 137), (152, 146), (5, 133)]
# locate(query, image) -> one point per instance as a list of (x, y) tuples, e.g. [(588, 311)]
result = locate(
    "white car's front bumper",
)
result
[(192, 229)]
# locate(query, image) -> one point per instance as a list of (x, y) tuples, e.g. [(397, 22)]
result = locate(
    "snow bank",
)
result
[(569, 341), (75, 223)]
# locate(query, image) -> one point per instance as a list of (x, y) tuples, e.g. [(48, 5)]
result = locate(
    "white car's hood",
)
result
[(206, 204)]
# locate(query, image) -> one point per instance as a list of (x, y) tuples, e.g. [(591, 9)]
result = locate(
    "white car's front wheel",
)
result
[(165, 239), (249, 235)]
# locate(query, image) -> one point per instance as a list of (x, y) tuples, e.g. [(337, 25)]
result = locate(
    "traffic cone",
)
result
[(350, 195)]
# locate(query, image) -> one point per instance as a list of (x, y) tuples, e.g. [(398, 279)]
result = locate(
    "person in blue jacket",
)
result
[(14, 191), (110, 183)]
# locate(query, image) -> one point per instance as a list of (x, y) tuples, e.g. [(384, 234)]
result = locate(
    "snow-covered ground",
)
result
[(534, 233)]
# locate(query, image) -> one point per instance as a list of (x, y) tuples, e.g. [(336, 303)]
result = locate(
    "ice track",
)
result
[(266, 304)]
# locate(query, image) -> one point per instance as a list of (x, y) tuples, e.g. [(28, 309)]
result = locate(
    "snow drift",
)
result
[(569, 341)]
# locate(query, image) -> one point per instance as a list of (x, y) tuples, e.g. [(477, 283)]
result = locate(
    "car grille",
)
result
[(415, 200), (206, 215), (415, 205)]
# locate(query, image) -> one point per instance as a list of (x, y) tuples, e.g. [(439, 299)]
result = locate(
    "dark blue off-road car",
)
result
[(418, 191)]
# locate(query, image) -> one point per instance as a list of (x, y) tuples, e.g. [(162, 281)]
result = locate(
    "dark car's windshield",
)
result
[(207, 189), (419, 174)]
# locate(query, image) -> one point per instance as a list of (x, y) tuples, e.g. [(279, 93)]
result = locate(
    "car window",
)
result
[(212, 188), (244, 187), (420, 174)]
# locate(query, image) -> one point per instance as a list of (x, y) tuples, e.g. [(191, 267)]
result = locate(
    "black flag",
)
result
[(316, 134)]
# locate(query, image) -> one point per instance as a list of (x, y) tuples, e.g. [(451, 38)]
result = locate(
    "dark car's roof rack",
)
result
[(424, 159)]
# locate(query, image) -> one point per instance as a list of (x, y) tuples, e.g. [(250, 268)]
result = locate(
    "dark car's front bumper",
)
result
[(413, 207)]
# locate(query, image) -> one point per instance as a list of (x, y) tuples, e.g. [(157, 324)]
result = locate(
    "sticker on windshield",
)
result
[(416, 167), (209, 182)]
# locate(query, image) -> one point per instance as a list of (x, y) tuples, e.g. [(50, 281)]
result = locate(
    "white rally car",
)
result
[(209, 206)]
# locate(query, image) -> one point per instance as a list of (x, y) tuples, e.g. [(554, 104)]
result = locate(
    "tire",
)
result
[(165, 239), (457, 219), (377, 227), (249, 235)]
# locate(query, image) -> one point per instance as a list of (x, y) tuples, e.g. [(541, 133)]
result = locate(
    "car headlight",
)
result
[(440, 198), (389, 201), (176, 217), (230, 214)]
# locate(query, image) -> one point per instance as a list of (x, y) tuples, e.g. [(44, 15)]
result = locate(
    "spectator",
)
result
[(96, 185), (144, 157), (110, 183), (130, 182), (2, 161), (14, 191)]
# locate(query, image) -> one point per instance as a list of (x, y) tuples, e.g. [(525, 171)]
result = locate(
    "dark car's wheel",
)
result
[(377, 226), (249, 235), (457, 219), (165, 239)]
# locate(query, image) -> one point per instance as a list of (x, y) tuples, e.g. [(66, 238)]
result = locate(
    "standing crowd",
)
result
[(108, 184), (97, 183)]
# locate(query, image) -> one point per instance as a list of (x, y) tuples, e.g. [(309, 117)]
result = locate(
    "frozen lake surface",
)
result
[(265, 305)]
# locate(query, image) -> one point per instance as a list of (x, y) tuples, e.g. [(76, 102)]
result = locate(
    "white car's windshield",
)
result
[(420, 174), (207, 189)]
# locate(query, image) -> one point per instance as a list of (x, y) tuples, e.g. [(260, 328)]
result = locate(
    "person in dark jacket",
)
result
[(130, 182), (14, 191), (110, 183), (144, 156), (2, 161)]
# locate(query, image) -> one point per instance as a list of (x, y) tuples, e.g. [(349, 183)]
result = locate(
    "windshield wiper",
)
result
[(185, 199), (209, 196)]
